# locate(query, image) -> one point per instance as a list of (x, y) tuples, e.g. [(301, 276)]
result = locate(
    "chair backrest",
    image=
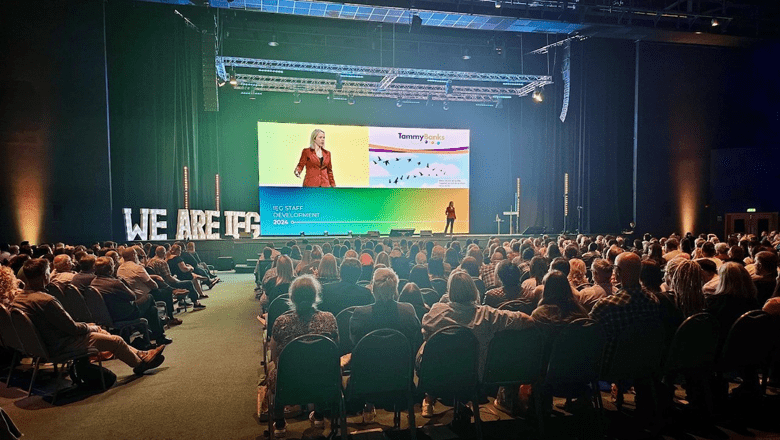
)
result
[(515, 357), (75, 306), (749, 341), (480, 287), (639, 351), (97, 307), (277, 308), (8, 331), (363, 283), (55, 290), (28, 335), (308, 371), (381, 368), (576, 353), (518, 305), (694, 345), (440, 285), (342, 320), (430, 296), (449, 363), (402, 282)]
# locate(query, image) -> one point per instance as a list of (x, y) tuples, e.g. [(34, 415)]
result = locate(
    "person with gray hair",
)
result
[(386, 311)]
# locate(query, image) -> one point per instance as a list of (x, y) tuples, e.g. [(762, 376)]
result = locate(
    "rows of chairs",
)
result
[(18, 333), (88, 306), (556, 361)]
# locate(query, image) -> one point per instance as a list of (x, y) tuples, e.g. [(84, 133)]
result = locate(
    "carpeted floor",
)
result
[(206, 389)]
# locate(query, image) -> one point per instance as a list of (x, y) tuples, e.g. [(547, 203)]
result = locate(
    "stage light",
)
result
[(499, 102), (445, 105), (466, 55), (398, 102), (351, 99), (297, 97), (233, 79), (714, 22), (339, 82), (330, 96), (448, 87), (220, 83), (498, 5), (428, 101), (273, 42), (537, 95)]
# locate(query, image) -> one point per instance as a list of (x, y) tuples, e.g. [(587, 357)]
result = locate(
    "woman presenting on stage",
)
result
[(316, 161), (450, 211)]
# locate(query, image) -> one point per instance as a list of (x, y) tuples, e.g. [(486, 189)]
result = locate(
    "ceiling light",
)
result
[(273, 42), (339, 82), (330, 96), (398, 102), (714, 22), (466, 55), (445, 105), (297, 97), (351, 99), (537, 95), (498, 5), (448, 87), (499, 102), (233, 79)]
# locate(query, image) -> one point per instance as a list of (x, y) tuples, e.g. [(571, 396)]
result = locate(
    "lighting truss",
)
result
[(435, 92), (383, 72)]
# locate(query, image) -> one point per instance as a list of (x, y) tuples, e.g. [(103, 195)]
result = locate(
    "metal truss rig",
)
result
[(514, 85)]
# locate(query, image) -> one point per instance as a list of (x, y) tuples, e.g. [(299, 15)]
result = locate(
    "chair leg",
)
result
[(14, 360), (57, 385), (412, 423), (540, 413), (343, 419), (35, 373), (477, 419), (102, 378)]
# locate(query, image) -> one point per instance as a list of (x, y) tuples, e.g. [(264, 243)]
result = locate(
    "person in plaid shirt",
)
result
[(487, 272), (629, 305)]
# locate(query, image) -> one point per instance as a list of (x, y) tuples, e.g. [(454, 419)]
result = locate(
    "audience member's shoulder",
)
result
[(772, 306)]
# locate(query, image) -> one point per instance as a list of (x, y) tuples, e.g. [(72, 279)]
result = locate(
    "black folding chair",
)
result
[(10, 340), (74, 304), (100, 315), (342, 320)]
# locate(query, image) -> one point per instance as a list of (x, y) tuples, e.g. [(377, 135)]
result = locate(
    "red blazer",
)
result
[(316, 174)]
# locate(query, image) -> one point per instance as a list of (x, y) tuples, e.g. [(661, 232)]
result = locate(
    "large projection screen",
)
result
[(385, 178)]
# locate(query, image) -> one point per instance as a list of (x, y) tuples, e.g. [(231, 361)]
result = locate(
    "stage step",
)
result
[(244, 268)]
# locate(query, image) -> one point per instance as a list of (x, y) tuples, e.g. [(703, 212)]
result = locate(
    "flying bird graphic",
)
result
[(409, 160), (427, 165), (418, 163), (387, 162), (380, 159), (396, 180), (397, 159)]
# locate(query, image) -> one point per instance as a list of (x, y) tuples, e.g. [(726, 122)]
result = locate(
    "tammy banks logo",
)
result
[(433, 139)]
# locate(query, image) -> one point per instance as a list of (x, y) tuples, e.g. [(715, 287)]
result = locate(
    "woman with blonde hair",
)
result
[(735, 295), (577, 274), (317, 162), (328, 271), (280, 284), (9, 285)]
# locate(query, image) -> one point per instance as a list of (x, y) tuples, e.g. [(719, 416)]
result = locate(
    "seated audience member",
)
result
[(436, 271), (411, 294), (672, 249), (765, 278), (345, 293), (559, 264), (737, 254), (303, 319), (419, 275), (63, 270), (558, 305), (734, 296), (655, 253), (708, 251), (328, 271), (191, 258), (184, 271), (9, 285), (139, 281), (400, 264), (684, 298), (463, 310), (122, 302), (709, 273), (86, 272), (280, 284), (260, 267), (487, 272), (537, 271), (577, 274), (61, 334), (630, 304), (602, 286), (509, 275), (161, 268), (722, 252), (451, 259), (386, 311), (367, 262)]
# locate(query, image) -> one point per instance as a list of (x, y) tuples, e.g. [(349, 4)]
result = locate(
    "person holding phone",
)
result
[(316, 160)]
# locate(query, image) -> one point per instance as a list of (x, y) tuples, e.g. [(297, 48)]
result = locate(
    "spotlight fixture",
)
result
[(330, 96), (339, 82), (351, 99), (445, 105), (466, 55), (220, 83), (233, 79), (537, 95), (498, 5), (499, 103), (297, 98), (448, 87), (274, 42), (398, 102), (714, 22), (429, 101)]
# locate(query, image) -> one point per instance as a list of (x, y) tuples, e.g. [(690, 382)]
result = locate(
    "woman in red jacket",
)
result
[(450, 211), (316, 161)]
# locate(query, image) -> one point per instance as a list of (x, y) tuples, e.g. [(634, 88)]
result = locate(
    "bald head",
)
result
[(62, 263), (629, 266), (128, 254)]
